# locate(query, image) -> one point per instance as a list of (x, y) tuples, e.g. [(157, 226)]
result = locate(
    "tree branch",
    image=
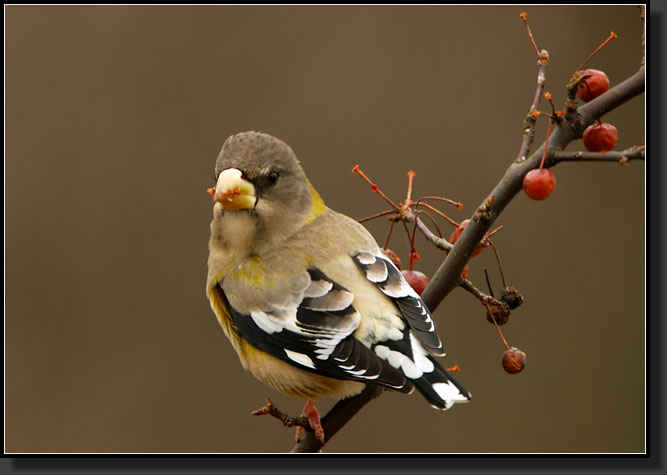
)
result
[(336, 418), (621, 156), (448, 275)]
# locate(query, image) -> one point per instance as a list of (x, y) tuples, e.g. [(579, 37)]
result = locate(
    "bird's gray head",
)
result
[(260, 176)]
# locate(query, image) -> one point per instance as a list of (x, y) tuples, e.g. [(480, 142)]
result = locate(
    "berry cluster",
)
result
[(601, 137)]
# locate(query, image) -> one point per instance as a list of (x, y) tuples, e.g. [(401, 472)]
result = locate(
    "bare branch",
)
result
[(448, 275), (621, 156), (531, 118), (438, 242), (336, 418), (273, 411)]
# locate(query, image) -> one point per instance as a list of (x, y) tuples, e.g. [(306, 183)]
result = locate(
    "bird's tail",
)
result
[(439, 388), (421, 368)]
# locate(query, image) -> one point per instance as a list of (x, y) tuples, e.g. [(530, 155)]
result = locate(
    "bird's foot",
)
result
[(309, 418), (310, 412)]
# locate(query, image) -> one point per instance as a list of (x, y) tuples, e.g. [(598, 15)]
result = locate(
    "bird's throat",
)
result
[(235, 231)]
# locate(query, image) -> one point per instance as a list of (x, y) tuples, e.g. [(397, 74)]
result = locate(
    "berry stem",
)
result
[(507, 347), (458, 204), (435, 223), (438, 212), (412, 244), (374, 187), (524, 17), (547, 95), (386, 241), (500, 266), (378, 215), (612, 35), (487, 236), (411, 176), (488, 282)]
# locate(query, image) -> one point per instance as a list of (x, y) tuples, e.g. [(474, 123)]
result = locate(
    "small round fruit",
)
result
[(498, 311), (514, 360), (539, 183), (511, 297), (465, 272), (600, 137), (417, 280), (457, 233), (598, 84)]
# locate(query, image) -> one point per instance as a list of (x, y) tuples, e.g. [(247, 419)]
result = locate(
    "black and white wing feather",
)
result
[(382, 272), (315, 333), (414, 353)]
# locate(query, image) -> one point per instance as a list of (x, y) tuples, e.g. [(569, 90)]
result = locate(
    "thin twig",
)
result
[(438, 242), (376, 215), (500, 266), (531, 118), (273, 411), (430, 216), (612, 35), (622, 156), (438, 212)]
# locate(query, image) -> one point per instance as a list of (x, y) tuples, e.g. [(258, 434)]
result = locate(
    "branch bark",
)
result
[(336, 418), (621, 156)]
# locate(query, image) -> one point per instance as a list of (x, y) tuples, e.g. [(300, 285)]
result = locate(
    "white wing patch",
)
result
[(317, 288), (300, 358), (420, 356), (449, 392), (268, 322), (399, 361)]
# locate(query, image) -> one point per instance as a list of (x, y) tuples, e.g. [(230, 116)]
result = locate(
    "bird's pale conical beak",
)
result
[(234, 192)]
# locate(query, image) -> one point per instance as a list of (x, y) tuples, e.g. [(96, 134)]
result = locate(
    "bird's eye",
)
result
[(272, 177)]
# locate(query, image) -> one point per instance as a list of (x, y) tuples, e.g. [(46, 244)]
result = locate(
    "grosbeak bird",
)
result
[(308, 299)]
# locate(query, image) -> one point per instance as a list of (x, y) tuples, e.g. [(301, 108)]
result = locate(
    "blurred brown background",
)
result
[(114, 118)]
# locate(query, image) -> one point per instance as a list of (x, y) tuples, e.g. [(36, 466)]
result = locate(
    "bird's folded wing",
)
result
[(312, 329), (382, 272)]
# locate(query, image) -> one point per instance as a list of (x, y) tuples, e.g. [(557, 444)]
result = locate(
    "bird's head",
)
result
[(259, 177)]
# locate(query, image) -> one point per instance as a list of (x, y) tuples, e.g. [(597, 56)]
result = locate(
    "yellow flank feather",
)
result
[(217, 299)]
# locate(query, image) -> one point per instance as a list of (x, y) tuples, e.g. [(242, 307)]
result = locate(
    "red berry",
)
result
[(457, 233), (600, 137), (514, 360), (464, 274), (598, 83), (417, 280), (539, 183)]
